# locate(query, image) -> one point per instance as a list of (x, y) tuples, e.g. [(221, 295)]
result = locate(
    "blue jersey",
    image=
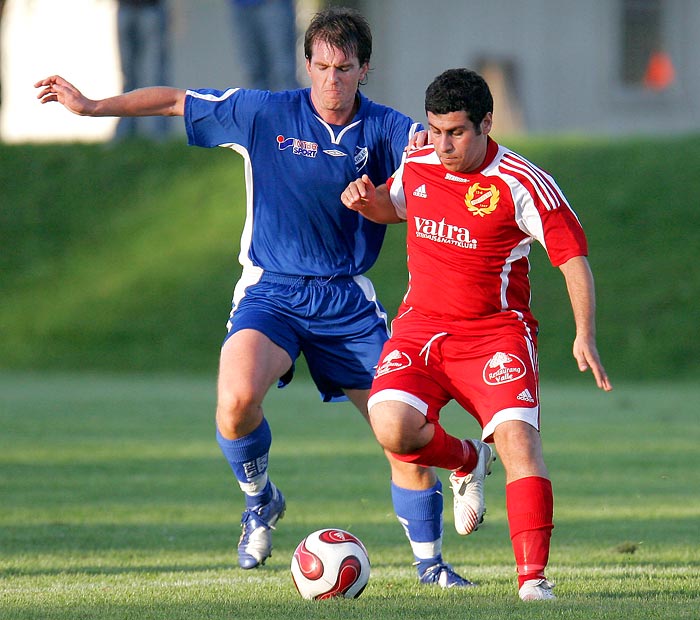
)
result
[(296, 167)]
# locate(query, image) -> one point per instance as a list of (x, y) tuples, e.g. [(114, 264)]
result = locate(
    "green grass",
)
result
[(124, 258), (117, 257), (116, 503)]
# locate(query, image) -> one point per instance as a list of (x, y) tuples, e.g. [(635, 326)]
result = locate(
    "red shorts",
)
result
[(493, 376)]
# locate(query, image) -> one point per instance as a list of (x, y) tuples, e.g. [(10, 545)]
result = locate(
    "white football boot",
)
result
[(257, 523), (469, 504), (536, 590)]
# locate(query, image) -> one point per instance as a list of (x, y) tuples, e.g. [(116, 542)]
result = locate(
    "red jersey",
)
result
[(469, 234)]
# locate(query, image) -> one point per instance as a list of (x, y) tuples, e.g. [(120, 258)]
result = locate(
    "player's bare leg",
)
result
[(406, 431), (417, 497), (250, 364)]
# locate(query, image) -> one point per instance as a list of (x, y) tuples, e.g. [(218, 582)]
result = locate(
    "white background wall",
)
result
[(76, 38), (566, 55)]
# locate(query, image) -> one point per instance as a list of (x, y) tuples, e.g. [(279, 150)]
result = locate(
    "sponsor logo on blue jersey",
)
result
[(299, 147)]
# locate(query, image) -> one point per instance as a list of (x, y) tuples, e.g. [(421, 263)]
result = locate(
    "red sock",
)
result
[(530, 506), (444, 451)]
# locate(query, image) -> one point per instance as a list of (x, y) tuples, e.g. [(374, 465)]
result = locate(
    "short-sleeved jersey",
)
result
[(469, 235), (296, 167)]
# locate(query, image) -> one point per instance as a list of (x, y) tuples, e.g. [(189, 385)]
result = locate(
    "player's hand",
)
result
[(55, 88), (418, 140), (359, 194), (587, 358)]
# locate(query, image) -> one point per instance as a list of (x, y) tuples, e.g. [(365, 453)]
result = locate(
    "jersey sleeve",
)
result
[(403, 131), (396, 192), (564, 236), (542, 211), (214, 117), (556, 228)]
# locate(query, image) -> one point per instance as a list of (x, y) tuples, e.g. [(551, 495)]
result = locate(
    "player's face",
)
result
[(334, 81), (456, 141)]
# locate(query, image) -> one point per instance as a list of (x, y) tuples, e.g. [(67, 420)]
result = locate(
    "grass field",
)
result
[(122, 258), (116, 503)]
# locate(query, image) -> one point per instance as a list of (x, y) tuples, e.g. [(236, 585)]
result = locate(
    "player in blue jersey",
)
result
[(302, 289)]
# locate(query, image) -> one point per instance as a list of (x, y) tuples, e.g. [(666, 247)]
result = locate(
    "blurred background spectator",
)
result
[(591, 68), (265, 41), (143, 31)]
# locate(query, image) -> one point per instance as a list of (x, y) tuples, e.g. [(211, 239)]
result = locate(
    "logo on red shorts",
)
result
[(396, 360), (504, 368)]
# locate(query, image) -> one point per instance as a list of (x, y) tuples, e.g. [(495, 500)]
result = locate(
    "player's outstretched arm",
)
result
[(579, 282), (372, 202), (153, 101)]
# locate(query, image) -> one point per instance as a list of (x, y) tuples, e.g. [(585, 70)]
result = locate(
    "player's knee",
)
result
[(520, 449), (396, 433), (238, 412), (398, 440)]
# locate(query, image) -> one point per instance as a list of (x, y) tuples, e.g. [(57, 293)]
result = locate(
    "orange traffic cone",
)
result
[(660, 73)]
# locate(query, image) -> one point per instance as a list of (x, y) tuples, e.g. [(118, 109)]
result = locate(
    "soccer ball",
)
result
[(330, 563)]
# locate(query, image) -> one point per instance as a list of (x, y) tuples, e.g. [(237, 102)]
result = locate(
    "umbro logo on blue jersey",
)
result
[(299, 147), (334, 153)]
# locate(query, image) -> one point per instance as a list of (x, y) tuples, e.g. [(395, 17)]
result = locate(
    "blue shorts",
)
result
[(337, 323)]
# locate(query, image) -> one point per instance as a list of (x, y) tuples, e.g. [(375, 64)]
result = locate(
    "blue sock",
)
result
[(247, 457), (420, 513)]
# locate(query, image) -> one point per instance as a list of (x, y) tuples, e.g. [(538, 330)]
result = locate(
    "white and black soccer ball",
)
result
[(330, 563)]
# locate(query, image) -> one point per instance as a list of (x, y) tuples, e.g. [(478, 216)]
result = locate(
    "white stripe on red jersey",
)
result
[(469, 234)]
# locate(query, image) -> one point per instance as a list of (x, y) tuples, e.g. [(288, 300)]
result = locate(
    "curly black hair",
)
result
[(457, 90)]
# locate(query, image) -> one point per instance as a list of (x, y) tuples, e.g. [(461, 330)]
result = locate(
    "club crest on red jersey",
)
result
[(482, 200), (504, 368)]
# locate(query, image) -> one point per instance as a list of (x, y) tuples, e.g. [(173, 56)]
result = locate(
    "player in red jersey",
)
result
[(465, 330)]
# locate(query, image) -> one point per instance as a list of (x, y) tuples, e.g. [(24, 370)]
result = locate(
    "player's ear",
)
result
[(364, 70), (487, 123)]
